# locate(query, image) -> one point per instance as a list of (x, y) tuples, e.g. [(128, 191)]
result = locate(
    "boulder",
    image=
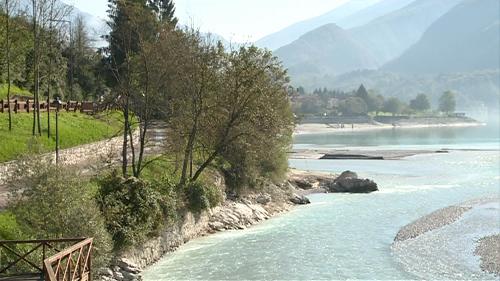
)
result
[(299, 199), (128, 266), (347, 175), (350, 183)]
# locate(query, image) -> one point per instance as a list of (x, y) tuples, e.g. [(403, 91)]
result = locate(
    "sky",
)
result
[(235, 20)]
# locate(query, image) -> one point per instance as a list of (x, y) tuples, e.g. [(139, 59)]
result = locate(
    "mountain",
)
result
[(377, 10), (329, 50), (465, 39), (322, 52), (293, 32), (390, 35)]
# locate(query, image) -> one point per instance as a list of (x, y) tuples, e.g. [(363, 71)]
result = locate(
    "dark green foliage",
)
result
[(447, 102), (362, 93), (393, 105), (197, 197), (135, 209), (201, 196), (353, 106), (164, 10), (420, 103)]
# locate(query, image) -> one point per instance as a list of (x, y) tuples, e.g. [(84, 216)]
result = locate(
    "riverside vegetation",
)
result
[(227, 114)]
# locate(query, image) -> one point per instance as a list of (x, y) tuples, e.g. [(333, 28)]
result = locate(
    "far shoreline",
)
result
[(322, 128)]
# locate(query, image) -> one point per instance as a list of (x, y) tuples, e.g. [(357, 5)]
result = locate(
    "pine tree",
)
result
[(164, 10)]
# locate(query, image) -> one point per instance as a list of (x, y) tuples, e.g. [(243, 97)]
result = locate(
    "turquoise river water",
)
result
[(349, 236)]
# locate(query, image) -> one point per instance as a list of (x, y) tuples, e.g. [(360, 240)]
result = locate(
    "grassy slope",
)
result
[(13, 91), (74, 129)]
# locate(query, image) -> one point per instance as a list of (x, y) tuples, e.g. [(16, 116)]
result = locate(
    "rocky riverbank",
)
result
[(233, 214)]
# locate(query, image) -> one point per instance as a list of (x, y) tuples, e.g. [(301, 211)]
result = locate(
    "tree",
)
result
[(353, 106), (420, 103), (131, 25), (362, 93), (393, 105), (8, 43), (447, 102), (164, 11)]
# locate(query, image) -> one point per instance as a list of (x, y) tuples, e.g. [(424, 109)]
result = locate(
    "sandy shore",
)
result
[(311, 129)]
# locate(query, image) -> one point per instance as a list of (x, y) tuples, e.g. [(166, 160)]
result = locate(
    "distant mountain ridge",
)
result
[(464, 39), (293, 32), (369, 46)]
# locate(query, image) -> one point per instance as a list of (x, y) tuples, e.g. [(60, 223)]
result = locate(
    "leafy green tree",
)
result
[(393, 105), (420, 103), (447, 102), (353, 106)]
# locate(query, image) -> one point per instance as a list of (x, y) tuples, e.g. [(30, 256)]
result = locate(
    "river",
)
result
[(349, 236)]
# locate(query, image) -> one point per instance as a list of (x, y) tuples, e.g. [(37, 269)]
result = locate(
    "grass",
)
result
[(14, 90), (74, 129)]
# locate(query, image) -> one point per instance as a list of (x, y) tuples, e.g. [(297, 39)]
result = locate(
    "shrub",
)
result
[(202, 196), (54, 202), (134, 209), (196, 196)]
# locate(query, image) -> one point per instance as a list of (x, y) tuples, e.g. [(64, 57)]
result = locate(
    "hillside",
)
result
[(464, 39), (474, 90), (328, 50), (293, 32)]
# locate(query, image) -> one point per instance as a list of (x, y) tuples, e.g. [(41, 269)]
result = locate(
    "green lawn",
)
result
[(13, 91), (74, 129)]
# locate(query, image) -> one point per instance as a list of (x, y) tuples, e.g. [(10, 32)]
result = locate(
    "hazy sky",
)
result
[(237, 20)]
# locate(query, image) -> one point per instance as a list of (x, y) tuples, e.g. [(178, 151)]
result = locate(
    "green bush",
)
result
[(201, 196), (134, 209), (55, 202)]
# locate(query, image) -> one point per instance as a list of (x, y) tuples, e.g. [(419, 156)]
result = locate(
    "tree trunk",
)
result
[(125, 137), (34, 65), (7, 49), (189, 150)]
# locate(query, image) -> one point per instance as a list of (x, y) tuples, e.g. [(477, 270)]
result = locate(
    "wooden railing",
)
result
[(28, 259), (71, 264)]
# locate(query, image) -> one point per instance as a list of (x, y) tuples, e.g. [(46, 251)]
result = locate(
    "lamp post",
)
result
[(58, 105)]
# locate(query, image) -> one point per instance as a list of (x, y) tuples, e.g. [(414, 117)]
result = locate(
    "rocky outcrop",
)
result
[(237, 215), (299, 199), (350, 183)]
